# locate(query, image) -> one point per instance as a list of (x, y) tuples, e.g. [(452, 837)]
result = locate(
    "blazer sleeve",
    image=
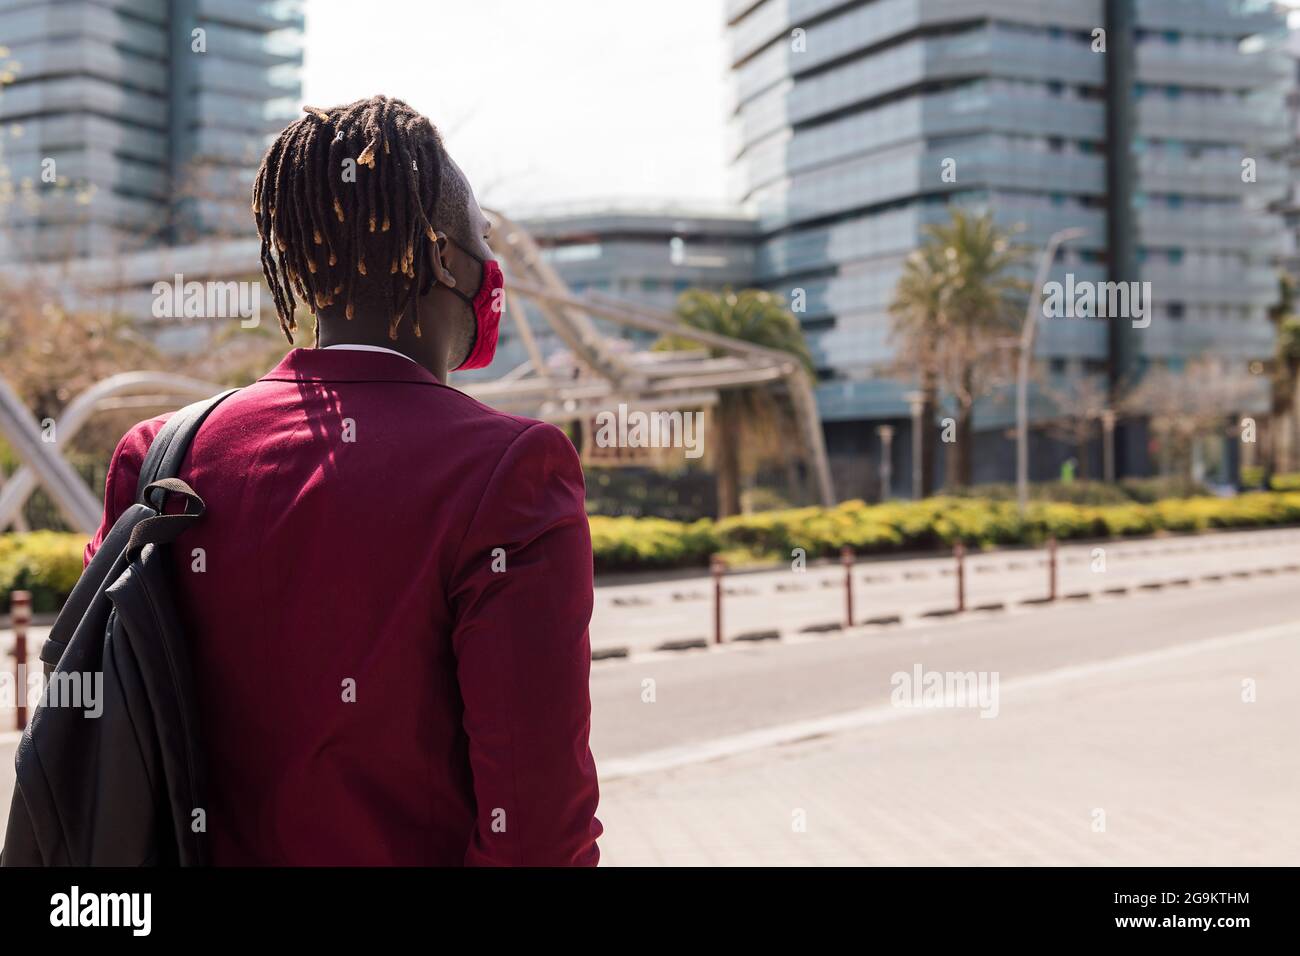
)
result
[(521, 590)]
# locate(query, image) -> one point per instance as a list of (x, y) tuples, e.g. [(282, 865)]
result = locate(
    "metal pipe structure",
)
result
[(24, 480), (717, 568), (846, 559), (797, 382), (1051, 568), (532, 277), (65, 487), (755, 365), (608, 373), (527, 267), (959, 556)]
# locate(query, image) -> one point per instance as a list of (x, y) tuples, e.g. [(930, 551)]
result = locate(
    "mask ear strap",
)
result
[(440, 272)]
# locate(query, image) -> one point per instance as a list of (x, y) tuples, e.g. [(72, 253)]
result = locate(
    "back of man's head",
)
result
[(347, 200)]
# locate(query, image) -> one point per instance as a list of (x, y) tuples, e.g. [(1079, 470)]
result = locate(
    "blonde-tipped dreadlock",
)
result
[(318, 230)]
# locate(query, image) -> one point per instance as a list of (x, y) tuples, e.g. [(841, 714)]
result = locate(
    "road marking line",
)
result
[(734, 744)]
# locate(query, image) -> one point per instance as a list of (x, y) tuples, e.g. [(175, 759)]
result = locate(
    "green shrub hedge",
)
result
[(48, 563), (626, 544), (1287, 482), (636, 543)]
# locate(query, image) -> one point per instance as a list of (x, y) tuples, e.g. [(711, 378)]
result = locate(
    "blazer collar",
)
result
[(347, 365)]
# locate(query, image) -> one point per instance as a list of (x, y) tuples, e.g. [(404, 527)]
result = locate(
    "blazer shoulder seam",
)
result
[(469, 526)]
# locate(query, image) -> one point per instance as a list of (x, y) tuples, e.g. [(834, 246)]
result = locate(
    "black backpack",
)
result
[(117, 779)]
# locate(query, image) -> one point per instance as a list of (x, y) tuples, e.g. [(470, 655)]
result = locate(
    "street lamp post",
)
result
[(1108, 444), (915, 405), (886, 433), (1026, 353)]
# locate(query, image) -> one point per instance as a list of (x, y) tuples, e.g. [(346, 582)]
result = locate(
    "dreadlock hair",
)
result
[(327, 239)]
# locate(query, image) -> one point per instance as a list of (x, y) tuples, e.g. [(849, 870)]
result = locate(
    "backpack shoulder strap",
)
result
[(163, 458), (169, 446)]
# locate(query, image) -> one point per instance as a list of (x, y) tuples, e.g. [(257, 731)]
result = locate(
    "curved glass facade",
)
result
[(847, 117), (158, 109)]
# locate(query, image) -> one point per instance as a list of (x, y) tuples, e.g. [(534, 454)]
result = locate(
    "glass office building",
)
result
[(848, 114), (154, 114)]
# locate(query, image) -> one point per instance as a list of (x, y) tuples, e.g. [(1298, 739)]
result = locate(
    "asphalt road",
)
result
[(1123, 735), (703, 695)]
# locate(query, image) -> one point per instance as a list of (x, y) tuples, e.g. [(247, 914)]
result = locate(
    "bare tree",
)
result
[(1186, 406), (1078, 407), (1284, 398)]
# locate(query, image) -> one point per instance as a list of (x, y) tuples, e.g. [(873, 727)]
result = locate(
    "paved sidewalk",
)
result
[(1185, 772)]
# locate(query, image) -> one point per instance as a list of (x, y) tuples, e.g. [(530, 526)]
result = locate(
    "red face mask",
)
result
[(487, 303)]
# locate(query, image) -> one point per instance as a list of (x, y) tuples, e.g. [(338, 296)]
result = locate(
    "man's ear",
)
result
[(438, 262)]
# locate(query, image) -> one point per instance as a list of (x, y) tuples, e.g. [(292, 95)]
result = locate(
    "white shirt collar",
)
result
[(358, 347)]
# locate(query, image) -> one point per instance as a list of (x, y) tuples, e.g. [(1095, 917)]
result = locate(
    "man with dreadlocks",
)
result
[(388, 596)]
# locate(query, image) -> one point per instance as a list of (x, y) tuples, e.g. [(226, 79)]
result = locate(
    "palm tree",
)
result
[(917, 310), (750, 424), (1283, 398), (957, 302)]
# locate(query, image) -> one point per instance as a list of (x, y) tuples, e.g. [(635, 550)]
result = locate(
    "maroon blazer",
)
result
[(388, 600)]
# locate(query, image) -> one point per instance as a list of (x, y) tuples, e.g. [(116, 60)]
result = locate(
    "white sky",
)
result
[(543, 101)]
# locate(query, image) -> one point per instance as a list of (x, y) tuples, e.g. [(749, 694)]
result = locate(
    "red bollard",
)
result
[(959, 552), (717, 567), (846, 556), (1051, 568), (20, 614)]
